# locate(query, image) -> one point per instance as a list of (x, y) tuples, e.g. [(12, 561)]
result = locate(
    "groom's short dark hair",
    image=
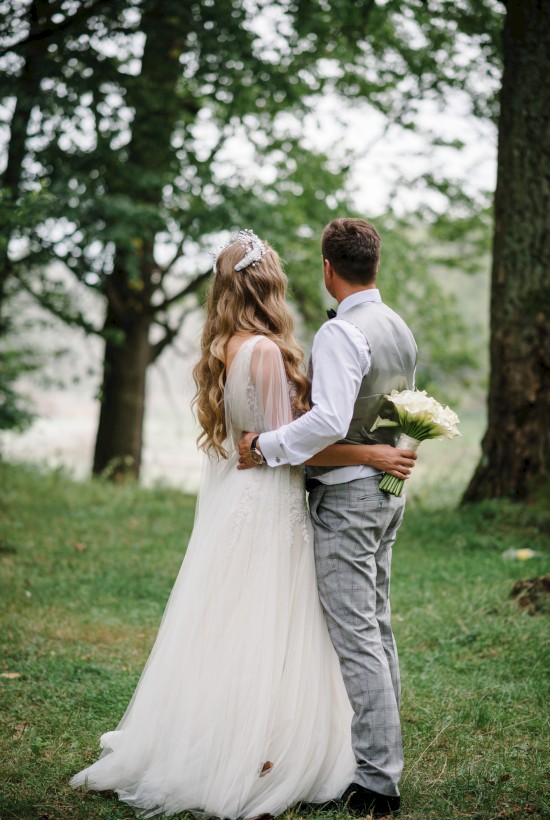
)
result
[(352, 246)]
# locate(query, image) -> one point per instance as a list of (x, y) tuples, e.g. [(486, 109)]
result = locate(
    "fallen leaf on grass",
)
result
[(79, 547), (10, 675)]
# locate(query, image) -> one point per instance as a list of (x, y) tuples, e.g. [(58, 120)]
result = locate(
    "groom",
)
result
[(366, 351)]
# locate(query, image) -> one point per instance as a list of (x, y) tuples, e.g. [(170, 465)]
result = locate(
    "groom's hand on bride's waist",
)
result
[(245, 444)]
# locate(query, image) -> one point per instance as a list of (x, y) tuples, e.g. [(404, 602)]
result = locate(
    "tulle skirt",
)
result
[(241, 709)]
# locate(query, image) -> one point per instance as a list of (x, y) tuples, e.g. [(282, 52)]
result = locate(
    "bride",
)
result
[(241, 709)]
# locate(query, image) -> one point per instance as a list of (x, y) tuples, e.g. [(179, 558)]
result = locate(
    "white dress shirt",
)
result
[(341, 358)]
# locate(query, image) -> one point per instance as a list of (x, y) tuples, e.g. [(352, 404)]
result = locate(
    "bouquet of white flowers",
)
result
[(420, 417)]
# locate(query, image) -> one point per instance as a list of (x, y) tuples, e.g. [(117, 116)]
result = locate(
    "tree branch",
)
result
[(170, 334), (32, 258), (178, 254), (192, 287), (49, 32), (45, 255), (72, 319)]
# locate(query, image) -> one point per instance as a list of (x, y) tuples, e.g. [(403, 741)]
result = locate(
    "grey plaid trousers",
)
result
[(355, 526)]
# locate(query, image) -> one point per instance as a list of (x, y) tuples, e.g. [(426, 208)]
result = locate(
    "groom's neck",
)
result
[(343, 289)]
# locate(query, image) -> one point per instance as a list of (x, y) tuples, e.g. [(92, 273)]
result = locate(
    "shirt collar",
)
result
[(369, 295)]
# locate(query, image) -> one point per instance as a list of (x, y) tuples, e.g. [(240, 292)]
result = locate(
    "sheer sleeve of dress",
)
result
[(257, 391), (268, 375)]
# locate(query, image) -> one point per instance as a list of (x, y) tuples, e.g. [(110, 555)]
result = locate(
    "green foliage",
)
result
[(87, 570), (15, 413), (16, 357), (401, 51), (139, 159)]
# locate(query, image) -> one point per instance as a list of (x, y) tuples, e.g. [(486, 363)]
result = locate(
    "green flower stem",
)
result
[(415, 429), (392, 485), (389, 483)]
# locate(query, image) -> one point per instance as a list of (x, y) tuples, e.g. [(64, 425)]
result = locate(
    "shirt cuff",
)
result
[(272, 449)]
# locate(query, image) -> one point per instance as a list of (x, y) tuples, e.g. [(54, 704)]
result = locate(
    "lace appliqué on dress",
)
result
[(297, 509), (242, 512)]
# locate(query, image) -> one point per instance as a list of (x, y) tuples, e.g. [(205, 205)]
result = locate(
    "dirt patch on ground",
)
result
[(533, 594)]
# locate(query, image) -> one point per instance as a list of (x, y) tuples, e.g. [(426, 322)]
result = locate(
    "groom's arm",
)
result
[(340, 357), (383, 457)]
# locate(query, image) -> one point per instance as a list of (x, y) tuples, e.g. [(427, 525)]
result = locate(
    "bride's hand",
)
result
[(245, 462), (388, 459)]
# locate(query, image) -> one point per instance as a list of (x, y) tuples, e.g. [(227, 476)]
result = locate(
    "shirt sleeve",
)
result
[(340, 357)]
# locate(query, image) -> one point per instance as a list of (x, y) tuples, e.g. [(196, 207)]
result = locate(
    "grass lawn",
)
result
[(86, 570)]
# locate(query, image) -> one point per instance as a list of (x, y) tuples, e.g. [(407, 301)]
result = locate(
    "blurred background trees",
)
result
[(139, 132)]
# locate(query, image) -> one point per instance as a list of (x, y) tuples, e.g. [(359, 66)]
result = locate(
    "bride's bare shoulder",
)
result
[(233, 346)]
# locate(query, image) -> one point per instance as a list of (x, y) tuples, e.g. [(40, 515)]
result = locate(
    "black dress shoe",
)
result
[(361, 801)]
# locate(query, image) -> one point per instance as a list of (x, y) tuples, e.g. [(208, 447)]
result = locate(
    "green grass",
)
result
[(86, 572)]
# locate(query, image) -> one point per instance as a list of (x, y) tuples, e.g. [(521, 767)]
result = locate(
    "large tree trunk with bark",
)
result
[(516, 446), (119, 436), (131, 288)]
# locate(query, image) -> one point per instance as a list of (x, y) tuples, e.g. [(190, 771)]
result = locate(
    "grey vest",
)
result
[(393, 360)]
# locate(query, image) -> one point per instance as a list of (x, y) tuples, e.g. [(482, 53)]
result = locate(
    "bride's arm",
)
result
[(382, 457)]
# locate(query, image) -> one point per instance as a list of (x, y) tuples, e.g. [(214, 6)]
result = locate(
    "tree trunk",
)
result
[(516, 446), (131, 288), (119, 436)]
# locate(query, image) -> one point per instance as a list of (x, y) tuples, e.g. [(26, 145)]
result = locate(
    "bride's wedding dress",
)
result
[(241, 709)]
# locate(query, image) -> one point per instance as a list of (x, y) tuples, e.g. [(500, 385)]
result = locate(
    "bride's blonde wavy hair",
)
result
[(251, 300)]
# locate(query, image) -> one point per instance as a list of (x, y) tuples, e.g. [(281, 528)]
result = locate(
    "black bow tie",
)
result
[(331, 313)]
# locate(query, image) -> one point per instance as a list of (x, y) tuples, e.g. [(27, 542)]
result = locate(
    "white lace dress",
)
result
[(242, 673)]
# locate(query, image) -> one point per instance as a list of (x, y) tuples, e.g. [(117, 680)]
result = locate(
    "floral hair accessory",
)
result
[(254, 249)]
